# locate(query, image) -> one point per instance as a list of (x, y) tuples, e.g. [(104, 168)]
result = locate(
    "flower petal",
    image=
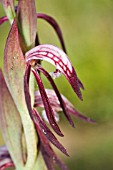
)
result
[(50, 136), (47, 152), (48, 109), (56, 105), (3, 19), (57, 93), (59, 59), (56, 27)]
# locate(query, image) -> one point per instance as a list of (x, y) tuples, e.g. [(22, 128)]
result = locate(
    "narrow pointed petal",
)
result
[(50, 136), (47, 75), (80, 84), (10, 123), (48, 109), (3, 19), (59, 59), (51, 160), (26, 89), (56, 27), (56, 105), (47, 152), (14, 68)]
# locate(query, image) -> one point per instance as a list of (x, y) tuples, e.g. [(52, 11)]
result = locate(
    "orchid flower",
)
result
[(25, 132)]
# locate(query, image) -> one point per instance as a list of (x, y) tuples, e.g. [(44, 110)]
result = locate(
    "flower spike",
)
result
[(59, 59)]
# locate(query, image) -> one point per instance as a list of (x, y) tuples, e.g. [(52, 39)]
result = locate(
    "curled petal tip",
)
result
[(59, 59)]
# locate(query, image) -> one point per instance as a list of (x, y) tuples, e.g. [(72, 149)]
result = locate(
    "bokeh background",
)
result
[(88, 32)]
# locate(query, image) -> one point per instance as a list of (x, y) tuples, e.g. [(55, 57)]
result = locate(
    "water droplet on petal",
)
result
[(55, 74)]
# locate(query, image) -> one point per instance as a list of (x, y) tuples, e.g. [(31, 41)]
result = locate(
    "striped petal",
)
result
[(59, 59)]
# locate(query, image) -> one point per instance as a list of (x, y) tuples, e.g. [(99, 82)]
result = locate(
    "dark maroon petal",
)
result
[(59, 59), (36, 117), (26, 89), (3, 19), (50, 160), (73, 79), (50, 136), (80, 84), (47, 152), (63, 106), (77, 114), (48, 109), (56, 27)]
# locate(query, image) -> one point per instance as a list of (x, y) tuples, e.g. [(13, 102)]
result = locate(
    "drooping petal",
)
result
[(36, 117), (50, 136), (47, 152), (3, 19), (47, 75), (56, 27), (56, 105), (59, 59), (11, 124), (47, 106)]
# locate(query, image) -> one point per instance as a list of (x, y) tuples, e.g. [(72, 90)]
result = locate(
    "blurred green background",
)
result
[(88, 32)]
